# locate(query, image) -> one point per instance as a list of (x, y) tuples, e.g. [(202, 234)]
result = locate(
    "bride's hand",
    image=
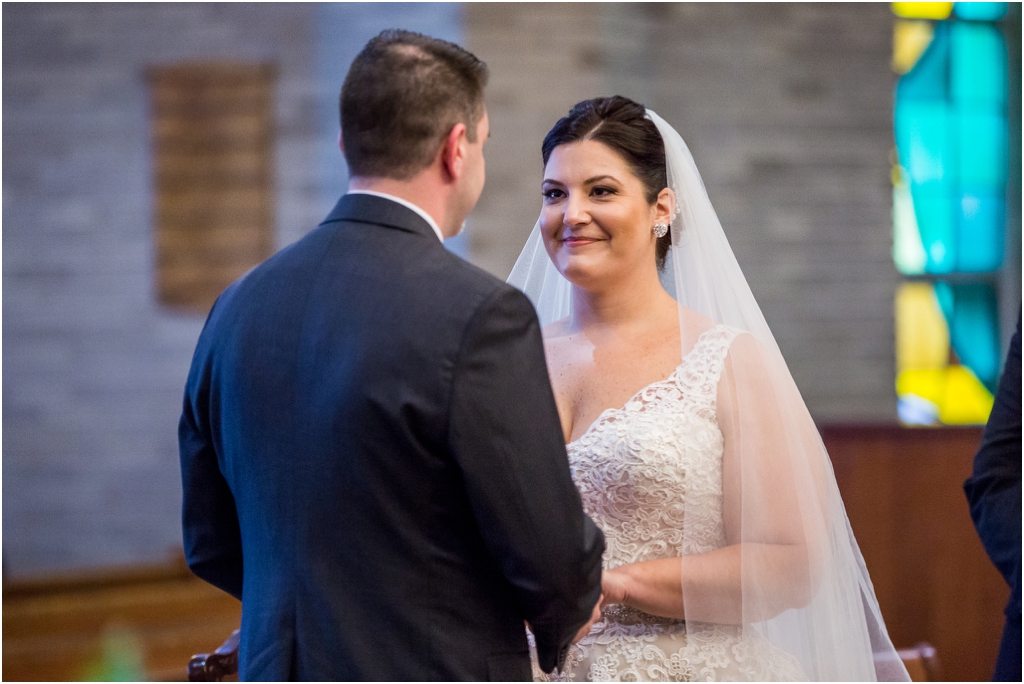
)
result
[(613, 587)]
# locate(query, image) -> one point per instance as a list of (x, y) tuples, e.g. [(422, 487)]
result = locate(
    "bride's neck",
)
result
[(619, 304)]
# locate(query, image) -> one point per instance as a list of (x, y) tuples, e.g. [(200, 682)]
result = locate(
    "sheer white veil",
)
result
[(805, 587)]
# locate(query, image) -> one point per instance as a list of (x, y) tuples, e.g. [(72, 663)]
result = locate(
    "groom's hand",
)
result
[(594, 617)]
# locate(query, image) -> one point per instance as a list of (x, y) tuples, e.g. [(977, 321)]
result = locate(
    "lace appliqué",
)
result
[(642, 471)]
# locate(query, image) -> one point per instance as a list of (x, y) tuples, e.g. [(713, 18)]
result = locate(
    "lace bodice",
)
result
[(642, 471), (646, 467)]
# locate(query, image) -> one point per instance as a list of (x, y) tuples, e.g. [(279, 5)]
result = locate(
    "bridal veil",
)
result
[(805, 587)]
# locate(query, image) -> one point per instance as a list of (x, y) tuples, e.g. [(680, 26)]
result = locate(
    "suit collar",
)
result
[(381, 211), (408, 205)]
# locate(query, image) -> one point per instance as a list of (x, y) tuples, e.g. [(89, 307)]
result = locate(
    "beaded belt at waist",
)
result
[(624, 615)]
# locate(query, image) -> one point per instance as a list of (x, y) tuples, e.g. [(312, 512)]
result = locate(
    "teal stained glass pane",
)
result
[(928, 79), (982, 147), (944, 296), (980, 232), (978, 64), (936, 220), (974, 329), (923, 141), (980, 11)]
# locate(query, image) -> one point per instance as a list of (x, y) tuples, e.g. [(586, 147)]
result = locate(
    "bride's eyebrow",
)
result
[(589, 181)]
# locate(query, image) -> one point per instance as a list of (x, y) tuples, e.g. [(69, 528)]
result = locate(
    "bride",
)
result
[(729, 555)]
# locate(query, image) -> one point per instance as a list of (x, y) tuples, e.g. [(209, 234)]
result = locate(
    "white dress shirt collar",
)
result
[(405, 203)]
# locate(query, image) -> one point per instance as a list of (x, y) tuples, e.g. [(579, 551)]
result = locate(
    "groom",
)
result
[(371, 454)]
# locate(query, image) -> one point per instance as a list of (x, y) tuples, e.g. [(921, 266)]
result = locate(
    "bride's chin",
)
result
[(583, 276)]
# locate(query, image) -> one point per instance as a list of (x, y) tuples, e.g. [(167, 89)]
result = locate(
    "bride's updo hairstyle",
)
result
[(623, 126)]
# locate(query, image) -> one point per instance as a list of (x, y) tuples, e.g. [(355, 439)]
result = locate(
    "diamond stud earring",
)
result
[(660, 229)]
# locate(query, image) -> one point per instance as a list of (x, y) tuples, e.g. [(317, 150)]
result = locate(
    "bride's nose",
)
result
[(575, 212)]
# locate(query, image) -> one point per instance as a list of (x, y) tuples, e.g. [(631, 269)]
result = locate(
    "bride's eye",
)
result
[(551, 193), (602, 191)]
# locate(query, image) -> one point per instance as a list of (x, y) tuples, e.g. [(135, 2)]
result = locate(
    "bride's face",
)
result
[(596, 222)]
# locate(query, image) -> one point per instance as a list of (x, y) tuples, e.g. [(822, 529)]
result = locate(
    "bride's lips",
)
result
[(578, 241)]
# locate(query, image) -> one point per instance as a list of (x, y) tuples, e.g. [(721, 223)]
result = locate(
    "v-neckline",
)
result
[(668, 378)]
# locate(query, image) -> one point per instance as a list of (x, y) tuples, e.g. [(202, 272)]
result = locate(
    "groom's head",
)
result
[(402, 96)]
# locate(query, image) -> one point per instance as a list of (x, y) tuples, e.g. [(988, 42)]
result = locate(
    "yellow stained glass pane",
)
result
[(927, 383), (966, 400), (922, 10), (922, 336), (909, 41)]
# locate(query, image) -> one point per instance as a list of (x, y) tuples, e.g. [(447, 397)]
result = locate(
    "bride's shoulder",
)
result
[(746, 357)]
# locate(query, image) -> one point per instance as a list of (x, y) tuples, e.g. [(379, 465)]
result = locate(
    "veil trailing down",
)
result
[(804, 589)]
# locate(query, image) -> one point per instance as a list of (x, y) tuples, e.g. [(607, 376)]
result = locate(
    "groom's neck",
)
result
[(420, 190)]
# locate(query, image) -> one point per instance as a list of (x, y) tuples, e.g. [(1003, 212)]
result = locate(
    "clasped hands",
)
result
[(613, 590)]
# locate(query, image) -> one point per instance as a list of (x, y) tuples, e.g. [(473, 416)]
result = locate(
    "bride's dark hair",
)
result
[(622, 125)]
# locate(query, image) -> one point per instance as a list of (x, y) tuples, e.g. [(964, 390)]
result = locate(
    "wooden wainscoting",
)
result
[(57, 628), (903, 493), (903, 490)]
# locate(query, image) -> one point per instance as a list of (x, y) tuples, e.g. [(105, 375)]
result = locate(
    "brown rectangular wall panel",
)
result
[(903, 490), (213, 136)]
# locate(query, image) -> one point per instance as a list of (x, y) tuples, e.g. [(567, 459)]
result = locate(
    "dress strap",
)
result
[(702, 368)]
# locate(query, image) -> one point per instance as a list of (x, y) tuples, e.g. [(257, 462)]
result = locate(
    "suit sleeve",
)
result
[(994, 488), (210, 528), (507, 439)]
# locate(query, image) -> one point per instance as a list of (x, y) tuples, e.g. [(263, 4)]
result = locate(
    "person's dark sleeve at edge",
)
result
[(994, 493)]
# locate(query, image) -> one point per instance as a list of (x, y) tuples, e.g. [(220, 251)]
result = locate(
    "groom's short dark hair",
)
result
[(403, 94)]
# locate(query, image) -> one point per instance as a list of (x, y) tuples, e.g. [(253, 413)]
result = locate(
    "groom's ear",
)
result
[(453, 151)]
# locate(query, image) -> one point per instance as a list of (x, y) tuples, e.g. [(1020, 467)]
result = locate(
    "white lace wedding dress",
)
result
[(641, 470)]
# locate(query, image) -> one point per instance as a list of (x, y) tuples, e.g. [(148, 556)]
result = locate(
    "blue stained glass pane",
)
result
[(980, 231), (982, 147), (980, 11), (928, 79), (923, 141), (977, 64), (974, 331), (936, 221)]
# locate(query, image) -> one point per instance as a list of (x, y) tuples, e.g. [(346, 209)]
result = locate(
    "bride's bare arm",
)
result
[(766, 566)]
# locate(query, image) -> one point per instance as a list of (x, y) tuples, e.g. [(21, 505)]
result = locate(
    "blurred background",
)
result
[(864, 160)]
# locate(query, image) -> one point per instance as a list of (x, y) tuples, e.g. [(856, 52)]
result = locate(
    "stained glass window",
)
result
[(949, 206)]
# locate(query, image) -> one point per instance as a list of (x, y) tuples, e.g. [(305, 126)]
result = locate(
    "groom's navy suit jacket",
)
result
[(373, 463)]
